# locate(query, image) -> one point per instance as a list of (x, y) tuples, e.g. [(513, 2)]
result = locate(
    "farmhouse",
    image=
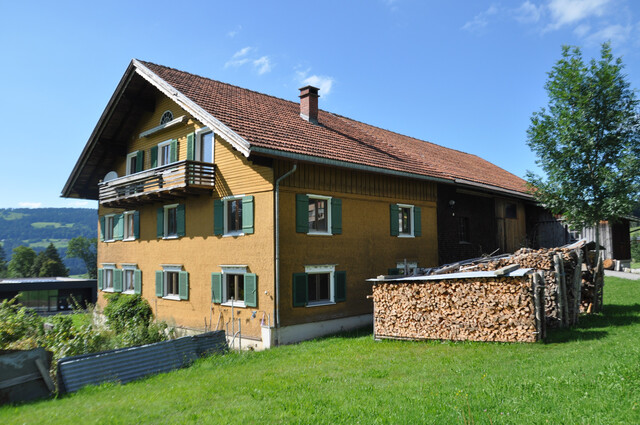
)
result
[(228, 208)]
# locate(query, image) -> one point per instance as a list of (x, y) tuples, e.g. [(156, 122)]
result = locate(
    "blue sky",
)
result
[(462, 74)]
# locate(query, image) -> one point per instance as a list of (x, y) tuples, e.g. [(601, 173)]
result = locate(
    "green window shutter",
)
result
[(250, 289), (154, 156), (159, 284), (340, 288), (302, 213), (101, 228), (181, 220), (117, 280), (336, 216), (300, 289), (136, 225), (139, 161), (160, 222), (137, 281), (173, 153), (191, 146), (417, 221), (247, 215), (393, 272), (183, 285), (393, 216), (216, 288), (118, 227), (218, 217), (100, 278)]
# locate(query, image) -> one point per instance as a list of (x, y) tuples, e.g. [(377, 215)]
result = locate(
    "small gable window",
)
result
[(166, 117)]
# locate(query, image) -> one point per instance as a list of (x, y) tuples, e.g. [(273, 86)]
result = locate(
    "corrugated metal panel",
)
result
[(128, 364), (211, 342)]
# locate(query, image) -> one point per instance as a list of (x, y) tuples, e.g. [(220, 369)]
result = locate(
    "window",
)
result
[(172, 283), (131, 221), (233, 216), (108, 227), (234, 286), (135, 162), (511, 210), (400, 270), (319, 285), (318, 215), (204, 145), (166, 117), (132, 279), (164, 153), (106, 277), (463, 229), (171, 221), (405, 220)]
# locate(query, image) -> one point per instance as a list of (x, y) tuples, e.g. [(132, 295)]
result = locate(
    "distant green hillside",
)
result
[(37, 227)]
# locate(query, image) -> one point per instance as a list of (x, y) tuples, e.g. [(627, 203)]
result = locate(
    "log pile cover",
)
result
[(480, 309)]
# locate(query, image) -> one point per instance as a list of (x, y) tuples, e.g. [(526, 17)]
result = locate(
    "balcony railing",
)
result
[(170, 181)]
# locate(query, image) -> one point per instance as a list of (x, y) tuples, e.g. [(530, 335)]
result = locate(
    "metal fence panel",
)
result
[(128, 364)]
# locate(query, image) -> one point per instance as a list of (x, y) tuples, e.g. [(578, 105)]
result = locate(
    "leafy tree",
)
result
[(49, 264), (588, 141), (22, 261), (3, 263), (86, 250)]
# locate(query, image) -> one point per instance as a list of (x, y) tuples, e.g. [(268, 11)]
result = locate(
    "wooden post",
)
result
[(538, 299), (561, 290), (577, 288)]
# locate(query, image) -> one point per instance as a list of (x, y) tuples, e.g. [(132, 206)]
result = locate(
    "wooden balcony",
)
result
[(168, 182)]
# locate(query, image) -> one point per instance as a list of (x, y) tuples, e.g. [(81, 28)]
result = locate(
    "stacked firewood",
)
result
[(482, 309)]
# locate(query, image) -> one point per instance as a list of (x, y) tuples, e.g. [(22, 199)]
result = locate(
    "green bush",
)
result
[(20, 327), (65, 339), (126, 311), (635, 251)]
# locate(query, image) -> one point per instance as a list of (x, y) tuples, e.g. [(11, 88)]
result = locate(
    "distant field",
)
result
[(58, 243), (10, 215), (586, 375), (42, 225)]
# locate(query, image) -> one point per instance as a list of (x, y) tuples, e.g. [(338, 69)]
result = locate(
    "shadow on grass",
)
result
[(589, 326)]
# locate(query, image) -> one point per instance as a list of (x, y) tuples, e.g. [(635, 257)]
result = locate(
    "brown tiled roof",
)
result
[(269, 122)]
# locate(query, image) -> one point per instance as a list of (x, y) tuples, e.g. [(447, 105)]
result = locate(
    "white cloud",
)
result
[(263, 65), (567, 12), (239, 58), (613, 33), (323, 82), (582, 30), (234, 32), (79, 204), (528, 12), (29, 204), (481, 20)]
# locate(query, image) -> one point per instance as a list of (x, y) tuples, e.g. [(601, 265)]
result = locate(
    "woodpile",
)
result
[(480, 309)]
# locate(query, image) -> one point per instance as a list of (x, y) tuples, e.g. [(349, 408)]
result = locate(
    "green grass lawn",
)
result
[(588, 375), (58, 243), (44, 224)]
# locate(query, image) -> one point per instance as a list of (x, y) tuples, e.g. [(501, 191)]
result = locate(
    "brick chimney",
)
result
[(309, 103)]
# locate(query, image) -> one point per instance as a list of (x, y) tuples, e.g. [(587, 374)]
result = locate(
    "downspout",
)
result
[(277, 231)]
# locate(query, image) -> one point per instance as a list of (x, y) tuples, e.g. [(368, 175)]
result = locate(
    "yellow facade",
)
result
[(364, 249)]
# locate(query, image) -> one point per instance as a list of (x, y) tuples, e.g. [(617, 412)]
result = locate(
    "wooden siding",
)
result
[(337, 180), (511, 233), (236, 175)]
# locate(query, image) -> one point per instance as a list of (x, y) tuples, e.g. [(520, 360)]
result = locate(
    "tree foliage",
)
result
[(22, 262), (587, 141), (86, 250), (4, 271), (49, 264)]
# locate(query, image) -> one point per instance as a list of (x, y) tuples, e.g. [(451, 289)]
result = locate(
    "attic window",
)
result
[(166, 117)]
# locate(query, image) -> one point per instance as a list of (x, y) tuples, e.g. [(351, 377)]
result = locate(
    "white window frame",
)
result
[(170, 268), (108, 269), (129, 157), (125, 217), (165, 225), (322, 269), (328, 214), (198, 151), (225, 206), (166, 121), (227, 270), (109, 227), (411, 221), (125, 268), (412, 265), (161, 145)]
